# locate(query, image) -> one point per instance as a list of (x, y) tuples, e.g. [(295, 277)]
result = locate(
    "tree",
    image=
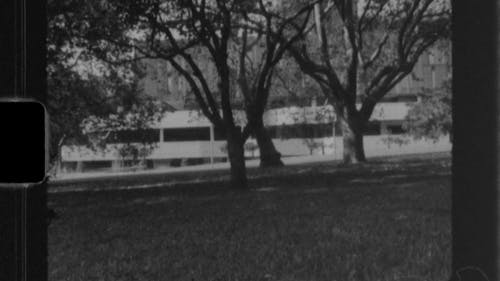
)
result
[(430, 117), (314, 116), (130, 129), (70, 100), (293, 88), (362, 50), (73, 94), (73, 98), (251, 147), (257, 60), (177, 32), (170, 31)]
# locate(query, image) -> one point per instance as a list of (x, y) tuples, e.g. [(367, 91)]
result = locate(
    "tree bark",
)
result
[(269, 156), (352, 131), (58, 157), (236, 155)]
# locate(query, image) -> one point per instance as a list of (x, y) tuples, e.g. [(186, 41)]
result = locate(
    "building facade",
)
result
[(185, 136)]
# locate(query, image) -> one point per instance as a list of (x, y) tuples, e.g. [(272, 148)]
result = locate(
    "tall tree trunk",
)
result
[(269, 156), (352, 131), (236, 154), (58, 162), (58, 157)]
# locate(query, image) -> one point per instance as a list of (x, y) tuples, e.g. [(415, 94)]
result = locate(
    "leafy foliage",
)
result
[(177, 31), (431, 117), (361, 50), (71, 99), (132, 124), (82, 86)]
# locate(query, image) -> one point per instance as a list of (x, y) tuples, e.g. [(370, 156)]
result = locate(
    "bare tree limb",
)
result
[(377, 52), (211, 113)]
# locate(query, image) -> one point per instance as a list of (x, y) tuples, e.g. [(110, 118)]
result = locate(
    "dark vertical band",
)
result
[(475, 142), (23, 227)]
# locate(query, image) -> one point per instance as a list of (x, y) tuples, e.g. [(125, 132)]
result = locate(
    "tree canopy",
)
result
[(430, 117), (120, 32), (78, 84), (362, 49)]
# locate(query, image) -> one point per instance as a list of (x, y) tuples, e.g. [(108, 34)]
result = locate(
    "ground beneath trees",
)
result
[(385, 220)]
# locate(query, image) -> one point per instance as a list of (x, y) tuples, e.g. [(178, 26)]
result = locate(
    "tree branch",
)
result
[(211, 112), (377, 52)]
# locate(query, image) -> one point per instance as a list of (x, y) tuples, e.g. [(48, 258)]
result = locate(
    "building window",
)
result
[(219, 135), (186, 134), (395, 129), (135, 136), (372, 128), (300, 131)]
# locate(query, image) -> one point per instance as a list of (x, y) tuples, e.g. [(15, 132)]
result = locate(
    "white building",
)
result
[(187, 137)]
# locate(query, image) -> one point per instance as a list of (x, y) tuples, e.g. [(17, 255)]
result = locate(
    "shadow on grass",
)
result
[(309, 222)]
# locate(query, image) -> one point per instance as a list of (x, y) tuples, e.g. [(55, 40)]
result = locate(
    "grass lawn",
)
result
[(386, 220)]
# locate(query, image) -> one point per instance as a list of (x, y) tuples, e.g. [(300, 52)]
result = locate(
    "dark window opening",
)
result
[(135, 136), (93, 165), (219, 134), (401, 98), (193, 134), (372, 129), (273, 131), (395, 129), (186, 134), (302, 131)]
